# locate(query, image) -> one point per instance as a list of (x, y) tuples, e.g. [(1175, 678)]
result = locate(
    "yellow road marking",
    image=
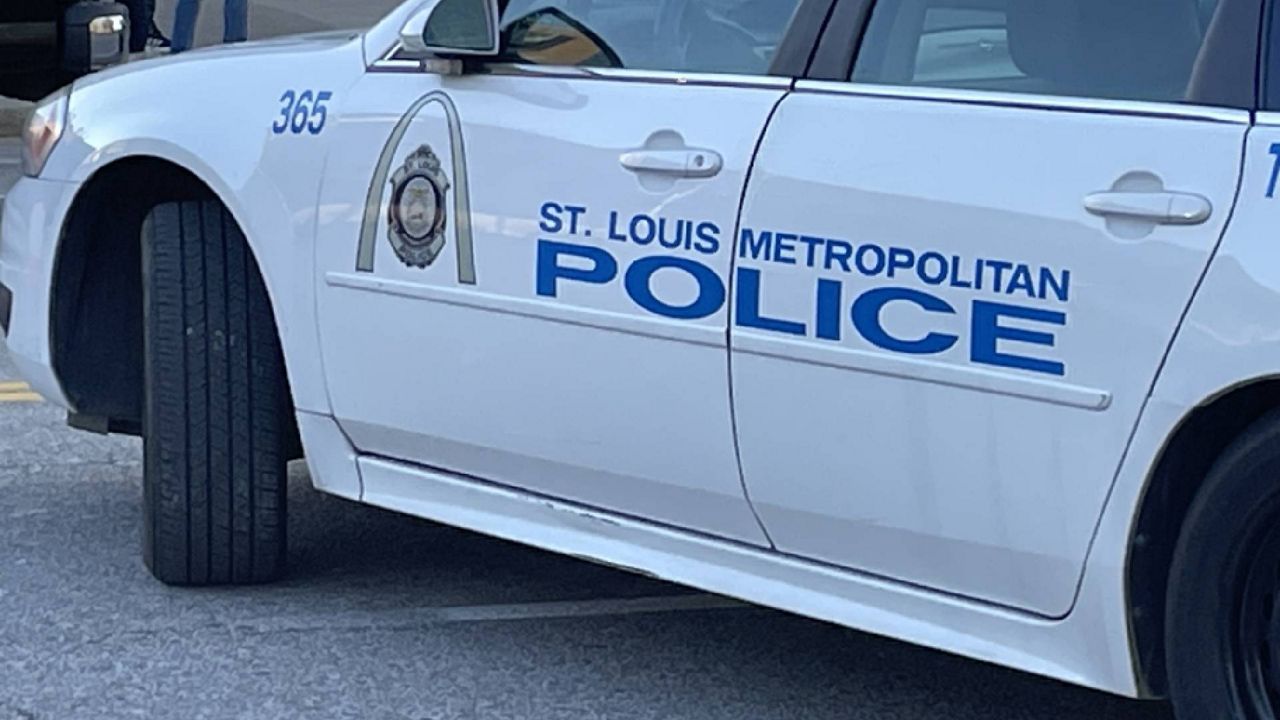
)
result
[(16, 391)]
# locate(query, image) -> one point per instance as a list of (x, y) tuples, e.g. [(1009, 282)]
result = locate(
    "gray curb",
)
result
[(13, 113)]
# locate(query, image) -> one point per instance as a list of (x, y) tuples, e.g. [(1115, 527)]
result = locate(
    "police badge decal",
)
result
[(416, 214)]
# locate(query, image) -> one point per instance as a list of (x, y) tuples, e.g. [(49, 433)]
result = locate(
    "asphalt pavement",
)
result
[(386, 616)]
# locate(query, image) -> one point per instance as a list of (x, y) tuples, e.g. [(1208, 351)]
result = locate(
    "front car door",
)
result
[(959, 271), (523, 270)]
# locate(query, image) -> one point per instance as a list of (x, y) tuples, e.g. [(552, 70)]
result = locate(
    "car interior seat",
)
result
[(1130, 49)]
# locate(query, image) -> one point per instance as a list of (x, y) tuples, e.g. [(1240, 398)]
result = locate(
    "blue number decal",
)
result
[(1275, 171), (305, 112), (320, 113), (301, 112), (283, 123)]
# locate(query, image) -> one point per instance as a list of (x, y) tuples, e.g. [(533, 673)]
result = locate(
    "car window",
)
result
[(700, 36), (1113, 49), (960, 45)]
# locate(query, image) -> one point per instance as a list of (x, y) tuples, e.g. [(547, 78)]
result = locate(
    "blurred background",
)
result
[(45, 44), (269, 18)]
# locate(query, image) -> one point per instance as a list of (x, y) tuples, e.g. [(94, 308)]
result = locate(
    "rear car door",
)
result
[(523, 269), (961, 264)]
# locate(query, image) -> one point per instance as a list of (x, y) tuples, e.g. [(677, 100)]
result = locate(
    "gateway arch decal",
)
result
[(416, 211)]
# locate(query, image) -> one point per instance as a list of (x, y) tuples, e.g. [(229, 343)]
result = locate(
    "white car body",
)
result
[(717, 413)]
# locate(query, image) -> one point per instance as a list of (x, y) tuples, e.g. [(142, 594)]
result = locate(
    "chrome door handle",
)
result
[(1163, 208), (680, 163)]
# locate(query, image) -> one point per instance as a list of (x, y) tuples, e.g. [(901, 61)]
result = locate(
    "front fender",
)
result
[(214, 117)]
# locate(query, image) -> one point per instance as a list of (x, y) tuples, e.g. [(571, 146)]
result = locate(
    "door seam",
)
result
[(731, 283)]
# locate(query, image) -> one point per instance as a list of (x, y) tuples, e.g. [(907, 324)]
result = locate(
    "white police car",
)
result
[(952, 320)]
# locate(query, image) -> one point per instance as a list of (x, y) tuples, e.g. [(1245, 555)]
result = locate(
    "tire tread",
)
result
[(215, 406)]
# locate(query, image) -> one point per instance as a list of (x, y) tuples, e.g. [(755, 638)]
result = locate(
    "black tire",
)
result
[(1223, 621), (215, 406)]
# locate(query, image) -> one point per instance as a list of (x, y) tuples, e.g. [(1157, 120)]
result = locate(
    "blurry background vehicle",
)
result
[(45, 44)]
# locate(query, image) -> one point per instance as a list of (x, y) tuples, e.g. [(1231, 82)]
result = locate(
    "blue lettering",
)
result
[(711, 290), (1060, 286), (1021, 282), (784, 248), (603, 267), (923, 269), (760, 248), (708, 238), (575, 214), (987, 333), (956, 280), (877, 253), (748, 307), (670, 243), (866, 317), (551, 222), (839, 252), (811, 243), (650, 229), (900, 259), (1000, 266), (828, 324), (613, 228), (1275, 171)]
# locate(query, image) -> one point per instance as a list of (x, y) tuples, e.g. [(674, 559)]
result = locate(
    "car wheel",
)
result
[(215, 405), (1223, 623)]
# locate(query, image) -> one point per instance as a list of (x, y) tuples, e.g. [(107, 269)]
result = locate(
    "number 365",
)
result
[(305, 112)]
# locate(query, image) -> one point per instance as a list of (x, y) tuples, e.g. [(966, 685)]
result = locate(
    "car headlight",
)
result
[(44, 128)]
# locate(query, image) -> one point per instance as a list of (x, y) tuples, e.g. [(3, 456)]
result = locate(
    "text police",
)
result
[(841, 292)]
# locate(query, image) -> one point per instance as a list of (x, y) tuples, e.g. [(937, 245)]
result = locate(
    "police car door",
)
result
[(524, 267), (959, 273)]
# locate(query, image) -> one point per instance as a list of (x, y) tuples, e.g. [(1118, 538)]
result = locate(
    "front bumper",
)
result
[(30, 225)]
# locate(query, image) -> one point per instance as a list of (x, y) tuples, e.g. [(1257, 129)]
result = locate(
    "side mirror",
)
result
[(452, 27)]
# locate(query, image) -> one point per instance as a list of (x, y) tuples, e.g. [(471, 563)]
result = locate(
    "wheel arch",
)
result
[(1179, 471), (95, 329)]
